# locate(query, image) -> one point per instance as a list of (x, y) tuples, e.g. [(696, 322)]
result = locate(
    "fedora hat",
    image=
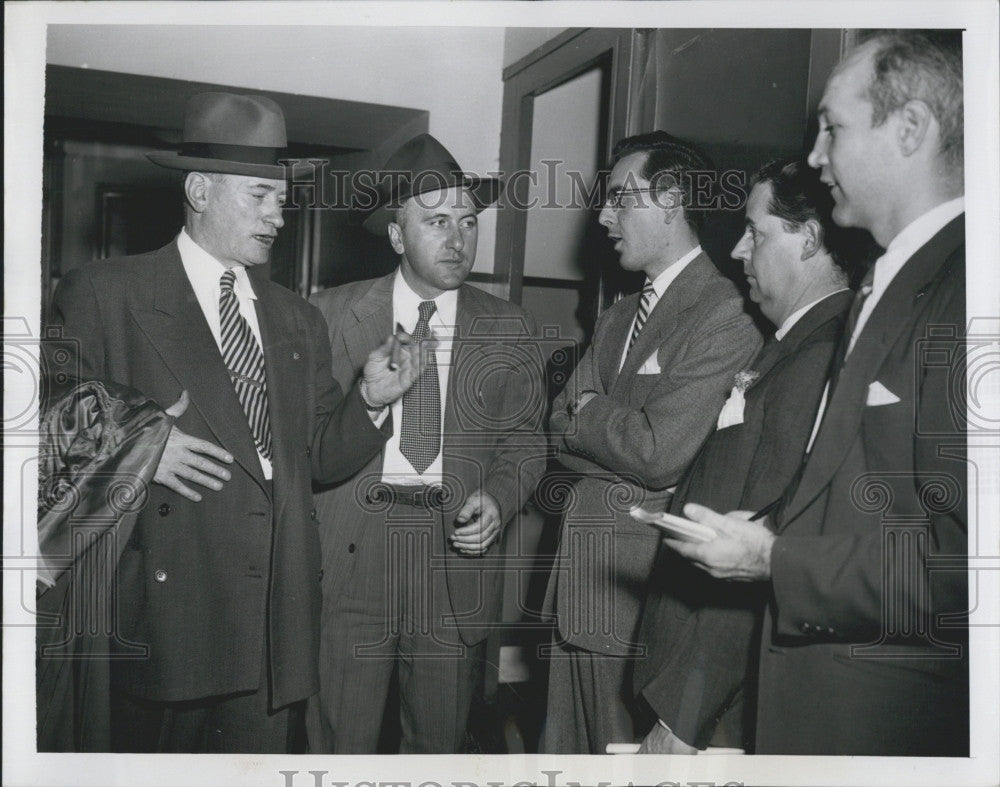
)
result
[(232, 134), (420, 166)]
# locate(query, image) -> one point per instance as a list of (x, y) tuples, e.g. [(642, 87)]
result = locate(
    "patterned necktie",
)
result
[(420, 436), (243, 358), (642, 313), (855, 312)]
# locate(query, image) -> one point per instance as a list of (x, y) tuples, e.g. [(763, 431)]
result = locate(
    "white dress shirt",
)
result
[(396, 468), (204, 273), (660, 284), (900, 249)]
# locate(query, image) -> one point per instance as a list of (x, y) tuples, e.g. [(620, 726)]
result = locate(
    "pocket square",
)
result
[(650, 366), (732, 411), (879, 395)]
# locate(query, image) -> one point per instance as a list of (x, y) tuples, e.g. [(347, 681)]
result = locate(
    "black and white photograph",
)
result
[(501, 393)]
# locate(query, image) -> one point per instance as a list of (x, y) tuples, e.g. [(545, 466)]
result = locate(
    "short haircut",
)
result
[(666, 155), (797, 196), (922, 65)]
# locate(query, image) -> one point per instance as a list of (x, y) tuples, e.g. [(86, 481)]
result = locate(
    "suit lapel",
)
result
[(176, 327), (894, 314), (373, 312), (279, 336), (774, 351), (682, 293), (612, 343)]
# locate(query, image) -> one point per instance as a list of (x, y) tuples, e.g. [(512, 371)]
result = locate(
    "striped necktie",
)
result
[(245, 362), (642, 313), (420, 434), (856, 306)]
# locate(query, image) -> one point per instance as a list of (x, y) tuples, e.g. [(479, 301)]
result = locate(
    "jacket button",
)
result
[(160, 575), (164, 509), (351, 548), (805, 628), (308, 451), (312, 514)]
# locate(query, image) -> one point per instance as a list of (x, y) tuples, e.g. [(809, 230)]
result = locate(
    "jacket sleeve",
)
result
[(520, 455), (655, 442)]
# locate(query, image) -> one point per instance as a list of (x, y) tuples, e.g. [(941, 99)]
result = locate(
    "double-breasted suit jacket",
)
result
[(633, 442), (700, 631), (207, 589), (857, 655), (492, 440)]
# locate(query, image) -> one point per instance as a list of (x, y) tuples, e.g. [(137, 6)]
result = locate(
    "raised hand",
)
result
[(187, 458), (392, 368)]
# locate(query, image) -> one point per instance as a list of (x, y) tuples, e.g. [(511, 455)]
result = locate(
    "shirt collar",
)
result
[(798, 314), (910, 239), (204, 271), (661, 282), (406, 304)]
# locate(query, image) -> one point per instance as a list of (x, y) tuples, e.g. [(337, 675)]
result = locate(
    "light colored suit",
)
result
[(631, 443), (491, 440)]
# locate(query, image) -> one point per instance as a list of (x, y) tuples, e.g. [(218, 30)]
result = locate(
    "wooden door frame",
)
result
[(559, 60)]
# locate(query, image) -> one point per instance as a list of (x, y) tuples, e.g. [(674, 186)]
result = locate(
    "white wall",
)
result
[(455, 73)]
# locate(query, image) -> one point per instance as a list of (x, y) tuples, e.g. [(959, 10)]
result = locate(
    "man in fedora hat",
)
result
[(218, 585), (413, 568)]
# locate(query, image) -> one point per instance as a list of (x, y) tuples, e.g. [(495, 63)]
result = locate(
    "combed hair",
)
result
[(667, 155), (922, 65), (797, 196)]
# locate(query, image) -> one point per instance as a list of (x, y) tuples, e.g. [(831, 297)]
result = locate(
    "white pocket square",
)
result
[(879, 395), (732, 411), (650, 366)]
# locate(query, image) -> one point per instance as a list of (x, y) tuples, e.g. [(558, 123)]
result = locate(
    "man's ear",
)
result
[(396, 237), (915, 119), (196, 187), (672, 202), (812, 233)]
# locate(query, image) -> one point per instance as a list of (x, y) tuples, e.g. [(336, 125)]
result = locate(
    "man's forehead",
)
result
[(759, 201), (629, 169), (850, 80), (248, 182), (457, 199)]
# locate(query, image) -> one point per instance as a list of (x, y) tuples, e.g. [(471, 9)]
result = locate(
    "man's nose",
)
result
[(456, 240), (607, 216), (817, 156), (275, 216), (741, 251)]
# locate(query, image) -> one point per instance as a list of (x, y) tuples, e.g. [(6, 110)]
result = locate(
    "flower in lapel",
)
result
[(732, 410), (744, 378)]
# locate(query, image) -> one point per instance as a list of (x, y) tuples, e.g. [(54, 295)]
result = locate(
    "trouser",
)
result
[(396, 627), (590, 703)]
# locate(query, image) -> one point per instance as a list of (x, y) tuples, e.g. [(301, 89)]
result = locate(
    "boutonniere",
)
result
[(744, 379)]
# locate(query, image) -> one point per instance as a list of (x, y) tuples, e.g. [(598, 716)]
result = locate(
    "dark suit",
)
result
[(491, 440), (215, 587), (883, 491), (699, 629), (631, 443)]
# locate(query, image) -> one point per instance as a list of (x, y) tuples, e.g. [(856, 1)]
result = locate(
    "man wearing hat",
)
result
[(414, 565), (218, 584)]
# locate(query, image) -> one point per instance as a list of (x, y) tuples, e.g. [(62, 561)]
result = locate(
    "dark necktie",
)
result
[(853, 314), (420, 436), (243, 358), (642, 313)]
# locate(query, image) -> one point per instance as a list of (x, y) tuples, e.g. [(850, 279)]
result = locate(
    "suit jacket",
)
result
[(491, 440), (881, 497), (206, 589), (700, 629), (633, 442)]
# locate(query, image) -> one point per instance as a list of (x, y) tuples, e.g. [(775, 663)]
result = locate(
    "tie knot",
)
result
[(427, 308), (228, 280), (648, 291)]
